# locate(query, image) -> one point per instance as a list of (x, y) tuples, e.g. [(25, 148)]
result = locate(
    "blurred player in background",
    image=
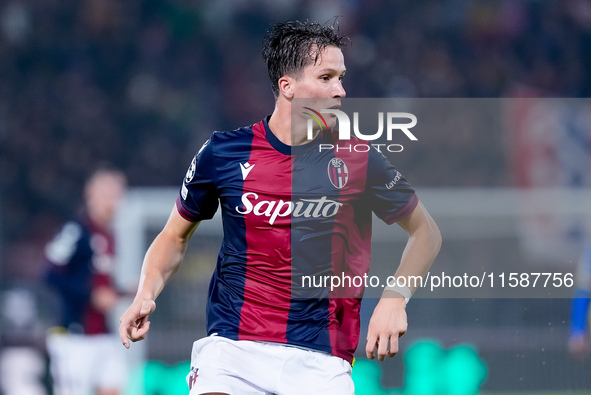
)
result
[(579, 344), (83, 356), (284, 213)]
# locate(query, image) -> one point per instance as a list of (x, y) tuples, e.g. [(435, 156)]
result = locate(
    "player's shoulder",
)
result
[(75, 228), (223, 142), (221, 136), (63, 246)]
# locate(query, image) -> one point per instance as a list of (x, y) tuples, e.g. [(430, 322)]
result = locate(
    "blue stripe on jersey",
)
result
[(226, 289), (309, 316)]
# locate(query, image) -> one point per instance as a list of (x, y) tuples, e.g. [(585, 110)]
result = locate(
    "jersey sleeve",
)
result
[(391, 197), (198, 199)]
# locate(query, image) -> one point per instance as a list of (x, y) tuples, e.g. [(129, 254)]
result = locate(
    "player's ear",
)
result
[(286, 86)]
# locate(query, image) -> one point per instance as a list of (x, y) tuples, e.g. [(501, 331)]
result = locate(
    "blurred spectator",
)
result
[(84, 356)]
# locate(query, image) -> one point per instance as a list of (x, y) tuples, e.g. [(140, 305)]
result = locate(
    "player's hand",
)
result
[(388, 322), (134, 322)]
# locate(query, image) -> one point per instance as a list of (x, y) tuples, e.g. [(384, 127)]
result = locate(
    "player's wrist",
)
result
[(398, 291), (141, 298)]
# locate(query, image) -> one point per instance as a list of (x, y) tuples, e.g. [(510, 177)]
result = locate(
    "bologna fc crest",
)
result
[(338, 174), (193, 377)]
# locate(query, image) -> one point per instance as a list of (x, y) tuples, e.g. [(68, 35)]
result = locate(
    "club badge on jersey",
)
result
[(338, 172), (193, 377)]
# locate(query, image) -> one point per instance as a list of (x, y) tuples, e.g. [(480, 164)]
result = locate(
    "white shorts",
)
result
[(245, 367), (81, 364)]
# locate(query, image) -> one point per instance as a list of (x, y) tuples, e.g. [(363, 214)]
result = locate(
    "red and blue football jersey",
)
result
[(289, 213)]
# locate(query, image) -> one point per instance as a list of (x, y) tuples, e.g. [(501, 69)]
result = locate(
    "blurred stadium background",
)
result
[(141, 84)]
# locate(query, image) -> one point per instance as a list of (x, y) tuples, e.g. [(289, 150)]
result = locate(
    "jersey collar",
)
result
[(289, 149)]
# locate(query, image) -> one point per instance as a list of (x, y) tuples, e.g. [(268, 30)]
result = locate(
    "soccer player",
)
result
[(83, 358), (289, 210), (578, 343)]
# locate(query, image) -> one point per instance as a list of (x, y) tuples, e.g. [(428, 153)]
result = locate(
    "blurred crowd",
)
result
[(142, 83)]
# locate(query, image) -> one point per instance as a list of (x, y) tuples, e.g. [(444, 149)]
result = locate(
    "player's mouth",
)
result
[(333, 107)]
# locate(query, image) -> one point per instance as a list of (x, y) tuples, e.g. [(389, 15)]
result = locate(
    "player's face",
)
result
[(324, 78), (103, 194), (322, 81)]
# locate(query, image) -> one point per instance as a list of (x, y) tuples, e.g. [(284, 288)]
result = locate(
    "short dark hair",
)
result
[(291, 46), (105, 168)]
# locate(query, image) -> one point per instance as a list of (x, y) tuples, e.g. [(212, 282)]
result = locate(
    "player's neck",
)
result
[(281, 126), (98, 218)]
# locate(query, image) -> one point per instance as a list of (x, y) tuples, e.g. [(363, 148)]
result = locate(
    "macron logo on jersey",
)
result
[(246, 168)]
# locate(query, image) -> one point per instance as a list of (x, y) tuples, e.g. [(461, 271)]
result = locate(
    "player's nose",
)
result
[(339, 91)]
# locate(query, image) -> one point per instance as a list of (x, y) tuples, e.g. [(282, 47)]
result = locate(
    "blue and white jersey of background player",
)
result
[(582, 296)]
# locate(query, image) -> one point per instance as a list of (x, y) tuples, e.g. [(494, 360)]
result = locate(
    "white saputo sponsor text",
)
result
[(315, 208)]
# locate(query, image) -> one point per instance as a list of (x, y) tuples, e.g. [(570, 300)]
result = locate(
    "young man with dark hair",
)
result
[(285, 215), (290, 47)]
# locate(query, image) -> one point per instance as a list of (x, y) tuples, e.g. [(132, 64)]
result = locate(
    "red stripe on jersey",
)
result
[(267, 287), (345, 302)]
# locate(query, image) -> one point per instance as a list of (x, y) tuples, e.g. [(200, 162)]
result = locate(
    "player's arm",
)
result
[(161, 262), (388, 321)]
